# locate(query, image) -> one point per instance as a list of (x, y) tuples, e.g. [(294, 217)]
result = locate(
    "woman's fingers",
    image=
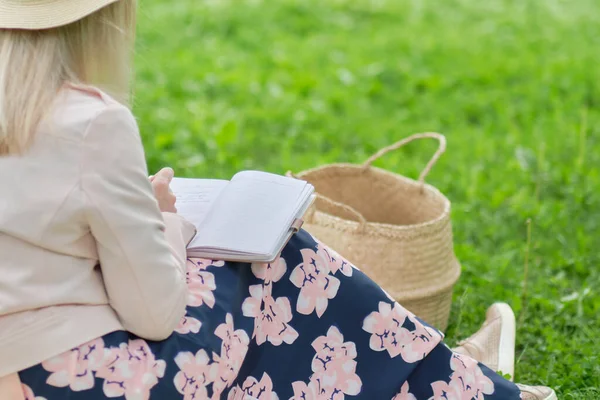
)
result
[(165, 173), (160, 183)]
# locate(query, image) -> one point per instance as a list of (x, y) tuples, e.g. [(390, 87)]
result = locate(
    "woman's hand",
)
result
[(164, 196)]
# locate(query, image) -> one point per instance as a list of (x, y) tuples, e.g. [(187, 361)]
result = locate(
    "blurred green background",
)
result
[(278, 85)]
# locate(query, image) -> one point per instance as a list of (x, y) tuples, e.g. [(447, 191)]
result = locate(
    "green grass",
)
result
[(225, 85)]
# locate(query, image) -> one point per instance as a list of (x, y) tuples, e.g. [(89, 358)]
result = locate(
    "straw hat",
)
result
[(46, 14)]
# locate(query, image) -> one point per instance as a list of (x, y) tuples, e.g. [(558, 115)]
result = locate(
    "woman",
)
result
[(97, 299)]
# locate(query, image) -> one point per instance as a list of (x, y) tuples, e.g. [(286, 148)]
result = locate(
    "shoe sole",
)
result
[(551, 396), (506, 350)]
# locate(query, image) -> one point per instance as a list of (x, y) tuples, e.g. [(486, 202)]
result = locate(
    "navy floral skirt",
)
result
[(308, 326)]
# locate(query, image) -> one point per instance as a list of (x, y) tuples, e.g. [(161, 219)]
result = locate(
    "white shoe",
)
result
[(536, 393), (493, 344)]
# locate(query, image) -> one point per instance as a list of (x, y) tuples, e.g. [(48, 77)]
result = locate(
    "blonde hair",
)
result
[(35, 65)]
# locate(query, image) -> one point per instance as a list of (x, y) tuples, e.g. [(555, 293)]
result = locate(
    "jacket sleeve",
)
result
[(142, 253)]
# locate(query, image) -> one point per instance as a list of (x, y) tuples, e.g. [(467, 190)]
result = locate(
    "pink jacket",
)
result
[(78, 199)]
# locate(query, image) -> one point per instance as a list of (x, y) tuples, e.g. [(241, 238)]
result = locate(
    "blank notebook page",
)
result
[(195, 197), (252, 213)]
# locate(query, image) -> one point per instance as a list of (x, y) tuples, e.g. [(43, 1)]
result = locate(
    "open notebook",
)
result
[(250, 218)]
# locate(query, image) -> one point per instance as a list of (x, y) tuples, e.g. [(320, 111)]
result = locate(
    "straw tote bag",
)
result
[(395, 229)]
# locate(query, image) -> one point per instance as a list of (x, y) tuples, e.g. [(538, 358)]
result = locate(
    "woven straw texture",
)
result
[(397, 230), (45, 14)]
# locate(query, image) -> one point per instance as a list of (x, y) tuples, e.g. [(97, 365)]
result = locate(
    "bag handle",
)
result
[(359, 217), (334, 204), (427, 135)]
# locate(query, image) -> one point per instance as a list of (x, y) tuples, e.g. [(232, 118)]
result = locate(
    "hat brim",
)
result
[(46, 14)]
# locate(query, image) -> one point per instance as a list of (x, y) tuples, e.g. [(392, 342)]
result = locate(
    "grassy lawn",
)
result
[(225, 85)]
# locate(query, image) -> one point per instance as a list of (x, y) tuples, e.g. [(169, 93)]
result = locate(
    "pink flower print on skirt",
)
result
[(334, 365), (200, 283), (271, 272), (253, 389), (76, 368), (317, 285), (194, 375), (389, 334), (467, 382), (335, 261), (188, 325), (234, 347), (131, 370), (404, 393), (271, 317), (306, 391)]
